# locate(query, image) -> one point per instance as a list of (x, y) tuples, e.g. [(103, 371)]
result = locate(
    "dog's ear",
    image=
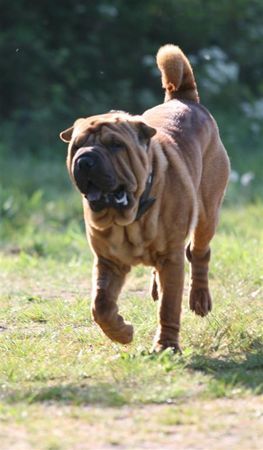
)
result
[(66, 135), (145, 131)]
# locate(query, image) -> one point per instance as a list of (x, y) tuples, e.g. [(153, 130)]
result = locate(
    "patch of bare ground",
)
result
[(236, 424)]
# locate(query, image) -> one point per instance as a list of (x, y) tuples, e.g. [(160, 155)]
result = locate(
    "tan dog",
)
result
[(148, 183)]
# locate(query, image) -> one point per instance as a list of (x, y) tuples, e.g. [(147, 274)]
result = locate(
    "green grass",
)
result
[(64, 385)]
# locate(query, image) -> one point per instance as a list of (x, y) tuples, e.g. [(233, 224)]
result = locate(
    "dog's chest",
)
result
[(129, 245)]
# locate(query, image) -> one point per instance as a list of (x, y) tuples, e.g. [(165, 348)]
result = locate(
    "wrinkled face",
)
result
[(108, 160)]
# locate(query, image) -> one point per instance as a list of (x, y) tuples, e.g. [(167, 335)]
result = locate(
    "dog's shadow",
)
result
[(224, 377), (242, 372), (100, 394)]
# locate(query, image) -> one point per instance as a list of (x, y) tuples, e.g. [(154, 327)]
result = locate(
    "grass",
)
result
[(64, 386)]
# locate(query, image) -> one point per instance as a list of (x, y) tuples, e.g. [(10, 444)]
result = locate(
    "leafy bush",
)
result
[(59, 62)]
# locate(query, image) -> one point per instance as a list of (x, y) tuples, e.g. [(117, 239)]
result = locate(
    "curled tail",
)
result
[(177, 75)]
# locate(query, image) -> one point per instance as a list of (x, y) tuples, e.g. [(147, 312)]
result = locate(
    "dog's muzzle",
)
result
[(95, 178)]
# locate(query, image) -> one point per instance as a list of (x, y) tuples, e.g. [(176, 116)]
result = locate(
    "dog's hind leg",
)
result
[(214, 179), (198, 254), (108, 280)]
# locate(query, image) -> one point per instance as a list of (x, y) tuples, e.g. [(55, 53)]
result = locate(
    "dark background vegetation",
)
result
[(63, 60)]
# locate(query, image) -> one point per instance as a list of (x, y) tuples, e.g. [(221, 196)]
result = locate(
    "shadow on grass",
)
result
[(230, 373), (74, 394), (225, 377)]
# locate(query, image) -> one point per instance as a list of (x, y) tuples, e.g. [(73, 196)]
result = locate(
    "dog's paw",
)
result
[(122, 334), (160, 347), (200, 301)]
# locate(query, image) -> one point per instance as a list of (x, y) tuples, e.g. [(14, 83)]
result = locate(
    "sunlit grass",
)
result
[(48, 335), (54, 358)]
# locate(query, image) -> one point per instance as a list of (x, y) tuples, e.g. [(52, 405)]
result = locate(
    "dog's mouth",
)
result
[(99, 200)]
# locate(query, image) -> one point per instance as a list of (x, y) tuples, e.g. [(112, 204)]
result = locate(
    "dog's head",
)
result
[(109, 162)]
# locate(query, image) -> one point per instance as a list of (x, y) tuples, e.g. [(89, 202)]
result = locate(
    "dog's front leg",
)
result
[(108, 279), (170, 280)]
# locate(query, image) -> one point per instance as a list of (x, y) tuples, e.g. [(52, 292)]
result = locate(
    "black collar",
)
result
[(145, 201)]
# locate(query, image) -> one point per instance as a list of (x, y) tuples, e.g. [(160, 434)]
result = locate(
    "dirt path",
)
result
[(219, 424)]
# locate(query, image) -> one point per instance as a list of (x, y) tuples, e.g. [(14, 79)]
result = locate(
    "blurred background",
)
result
[(63, 60)]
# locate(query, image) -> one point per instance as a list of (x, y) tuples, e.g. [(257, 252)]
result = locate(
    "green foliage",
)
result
[(59, 62)]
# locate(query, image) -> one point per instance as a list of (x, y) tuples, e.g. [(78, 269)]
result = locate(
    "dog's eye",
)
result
[(115, 146)]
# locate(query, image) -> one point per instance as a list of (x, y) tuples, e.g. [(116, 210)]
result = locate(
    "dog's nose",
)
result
[(86, 162)]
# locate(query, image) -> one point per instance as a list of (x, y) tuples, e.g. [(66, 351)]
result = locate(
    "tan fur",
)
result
[(190, 169), (177, 75)]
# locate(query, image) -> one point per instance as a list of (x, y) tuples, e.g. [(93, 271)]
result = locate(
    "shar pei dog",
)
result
[(151, 185)]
